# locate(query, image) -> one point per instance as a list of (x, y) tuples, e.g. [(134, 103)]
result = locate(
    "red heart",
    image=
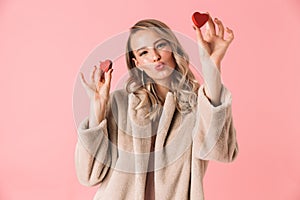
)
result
[(200, 19), (106, 65)]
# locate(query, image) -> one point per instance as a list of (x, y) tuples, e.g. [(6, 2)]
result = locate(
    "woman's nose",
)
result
[(155, 55)]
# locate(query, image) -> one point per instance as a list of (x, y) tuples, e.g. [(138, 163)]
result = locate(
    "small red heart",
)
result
[(200, 19), (106, 65)]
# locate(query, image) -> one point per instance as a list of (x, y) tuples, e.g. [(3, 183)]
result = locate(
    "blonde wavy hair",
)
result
[(183, 85)]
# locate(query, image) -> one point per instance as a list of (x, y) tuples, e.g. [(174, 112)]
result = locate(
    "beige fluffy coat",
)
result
[(184, 145)]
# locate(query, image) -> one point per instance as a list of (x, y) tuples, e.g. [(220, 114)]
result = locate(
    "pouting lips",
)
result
[(159, 66)]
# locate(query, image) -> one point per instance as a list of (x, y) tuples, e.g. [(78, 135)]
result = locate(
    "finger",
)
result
[(98, 74), (93, 74), (201, 42), (100, 79), (83, 81), (220, 28), (101, 74), (210, 26), (199, 35), (230, 36), (108, 76)]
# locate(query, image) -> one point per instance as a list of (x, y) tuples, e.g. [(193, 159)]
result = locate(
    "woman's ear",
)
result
[(135, 62)]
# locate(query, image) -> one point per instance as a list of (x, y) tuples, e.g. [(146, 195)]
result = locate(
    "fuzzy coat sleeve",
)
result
[(214, 134), (94, 153)]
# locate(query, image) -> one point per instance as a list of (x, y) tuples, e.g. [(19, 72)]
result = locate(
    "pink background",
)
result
[(44, 43)]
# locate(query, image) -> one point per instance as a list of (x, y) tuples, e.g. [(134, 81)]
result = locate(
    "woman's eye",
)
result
[(143, 52), (161, 45)]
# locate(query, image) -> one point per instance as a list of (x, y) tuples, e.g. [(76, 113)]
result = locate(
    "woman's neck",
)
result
[(162, 87), (161, 92)]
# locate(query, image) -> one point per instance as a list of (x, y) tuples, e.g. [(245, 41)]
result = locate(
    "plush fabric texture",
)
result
[(116, 155)]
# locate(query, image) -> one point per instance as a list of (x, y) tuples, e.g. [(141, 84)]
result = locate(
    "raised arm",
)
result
[(214, 135), (212, 49), (98, 92), (93, 154)]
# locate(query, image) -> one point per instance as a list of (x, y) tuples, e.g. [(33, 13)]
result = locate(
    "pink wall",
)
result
[(44, 43)]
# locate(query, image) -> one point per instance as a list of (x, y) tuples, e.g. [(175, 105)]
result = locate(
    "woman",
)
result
[(154, 139)]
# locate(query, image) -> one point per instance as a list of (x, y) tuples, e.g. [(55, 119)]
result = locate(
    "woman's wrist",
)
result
[(214, 96), (213, 83), (97, 112)]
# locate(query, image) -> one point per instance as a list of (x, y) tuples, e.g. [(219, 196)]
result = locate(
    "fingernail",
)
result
[(194, 27)]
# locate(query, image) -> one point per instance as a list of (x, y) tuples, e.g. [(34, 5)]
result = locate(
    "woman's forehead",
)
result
[(144, 38)]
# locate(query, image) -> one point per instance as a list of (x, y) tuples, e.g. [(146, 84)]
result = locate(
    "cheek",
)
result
[(167, 55), (170, 58), (143, 61)]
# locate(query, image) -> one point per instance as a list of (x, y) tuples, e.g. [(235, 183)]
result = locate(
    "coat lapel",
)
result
[(141, 133), (165, 120)]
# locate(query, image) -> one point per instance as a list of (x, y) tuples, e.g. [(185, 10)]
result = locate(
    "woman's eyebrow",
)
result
[(153, 43), (140, 48), (159, 40)]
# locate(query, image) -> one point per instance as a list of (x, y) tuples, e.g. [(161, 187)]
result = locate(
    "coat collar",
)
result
[(138, 115)]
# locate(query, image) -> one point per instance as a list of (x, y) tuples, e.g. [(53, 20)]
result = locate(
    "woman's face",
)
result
[(153, 54)]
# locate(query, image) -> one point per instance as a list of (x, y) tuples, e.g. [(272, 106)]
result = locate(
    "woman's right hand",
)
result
[(98, 92)]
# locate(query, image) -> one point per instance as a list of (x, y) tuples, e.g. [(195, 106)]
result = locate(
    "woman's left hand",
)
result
[(214, 43)]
